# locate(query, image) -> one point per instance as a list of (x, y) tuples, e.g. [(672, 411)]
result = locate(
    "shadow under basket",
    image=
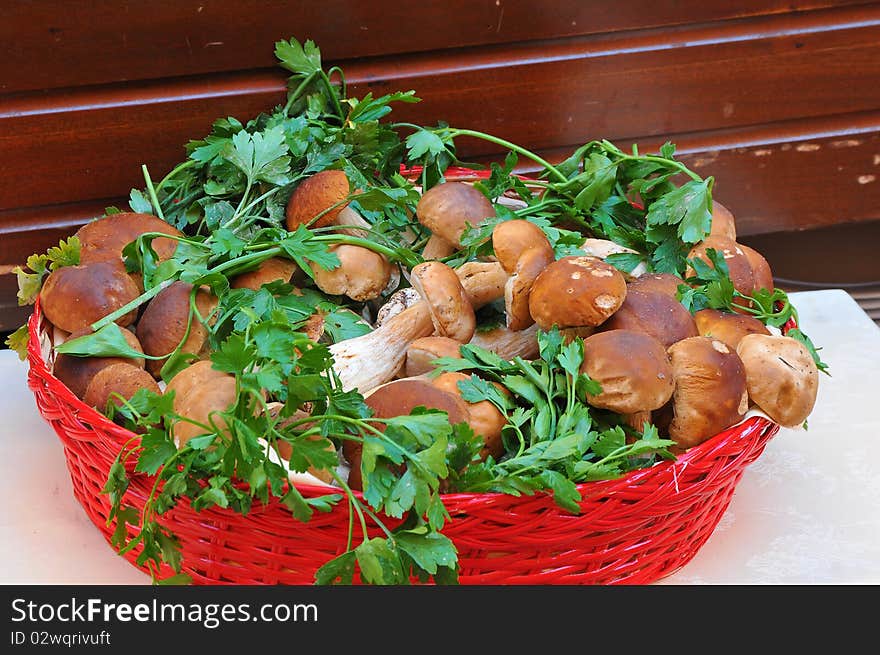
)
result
[(632, 530)]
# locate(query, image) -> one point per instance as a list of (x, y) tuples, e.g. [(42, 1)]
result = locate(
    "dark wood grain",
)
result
[(62, 43)]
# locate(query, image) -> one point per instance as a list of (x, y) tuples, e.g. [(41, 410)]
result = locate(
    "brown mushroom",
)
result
[(723, 224), (632, 368), (510, 239), (446, 210), (657, 314), (781, 376), (761, 272), (576, 292), (76, 372), (710, 390), (74, 297), (451, 311), (665, 283), (121, 378), (163, 323), (397, 302), (518, 288), (422, 352), (361, 275), (507, 343), (738, 265), (199, 401), (104, 238), (484, 418), (316, 194), (274, 269), (727, 327)]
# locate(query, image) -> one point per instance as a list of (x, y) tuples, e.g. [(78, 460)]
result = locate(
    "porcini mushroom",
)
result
[(119, 379), (575, 292), (781, 376), (422, 352), (451, 311), (654, 313), (507, 343), (76, 372), (484, 418), (446, 210), (665, 283), (524, 251), (726, 326), (361, 275), (710, 390), (199, 396), (104, 238), (274, 269), (723, 223), (602, 248), (510, 239), (761, 272), (632, 368), (397, 302), (318, 199), (738, 265), (74, 297)]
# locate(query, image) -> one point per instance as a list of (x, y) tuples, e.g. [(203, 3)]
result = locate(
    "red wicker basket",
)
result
[(632, 530)]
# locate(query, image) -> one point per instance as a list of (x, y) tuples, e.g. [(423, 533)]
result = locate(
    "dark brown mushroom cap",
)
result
[(74, 297), (362, 273), (77, 372), (665, 283), (314, 195), (448, 208), (510, 239), (275, 269), (484, 418), (727, 327), (723, 223), (448, 303), (710, 390), (761, 272), (163, 323), (120, 378), (518, 288), (104, 238), (576, 292), (633, 369), (423, 351), (738, 264), (781, 376), (653, 313)]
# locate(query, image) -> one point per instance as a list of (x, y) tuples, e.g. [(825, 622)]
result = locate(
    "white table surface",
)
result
[(806, 512)]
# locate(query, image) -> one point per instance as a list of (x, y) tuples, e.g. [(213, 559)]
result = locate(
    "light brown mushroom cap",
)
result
[(451, 311), (77, 372), (665, 283), (710, 390), (314, 195), (518, 288), (484, 418), (761, 272), (738, 264), (727, 327), (74, 297), (120, 378), (361, 275), (510, 239), (632, 368), (723, 223), (653, 313), (781, 376), (163, 323), (422, 352), (201, 404), (448, 208), (104, 238), (576, 292), (275, 269), (196, 374)]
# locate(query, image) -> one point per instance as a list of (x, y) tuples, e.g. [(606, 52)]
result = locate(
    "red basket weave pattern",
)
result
[(632, 530)]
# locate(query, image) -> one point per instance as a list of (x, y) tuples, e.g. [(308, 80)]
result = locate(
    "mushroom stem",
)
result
[(508, 344)]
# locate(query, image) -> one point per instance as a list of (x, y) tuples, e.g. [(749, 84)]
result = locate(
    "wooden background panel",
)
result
[(59, 43), (91, 143)]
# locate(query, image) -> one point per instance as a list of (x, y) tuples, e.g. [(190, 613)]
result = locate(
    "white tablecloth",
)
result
[(806, 512)]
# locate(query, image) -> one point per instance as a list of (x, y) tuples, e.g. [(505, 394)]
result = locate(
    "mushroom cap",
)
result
[(274, 269), (448, 208), (77, 372), (451, 311), (74, 297), (723, 223), (104, 238), (727, 327), (484, 418), (761, 272), (361, 275), (654, 313), (196, 374), (575, 292), (781, 376), (633, 369), (710, 390), (666, 283), (423, 351), (518, 288), (510, 239), (122, 378), (315, 194), (163, 322), (200, 403), (737, 262)]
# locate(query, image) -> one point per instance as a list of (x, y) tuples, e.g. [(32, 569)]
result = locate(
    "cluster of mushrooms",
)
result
[(690, 375)]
